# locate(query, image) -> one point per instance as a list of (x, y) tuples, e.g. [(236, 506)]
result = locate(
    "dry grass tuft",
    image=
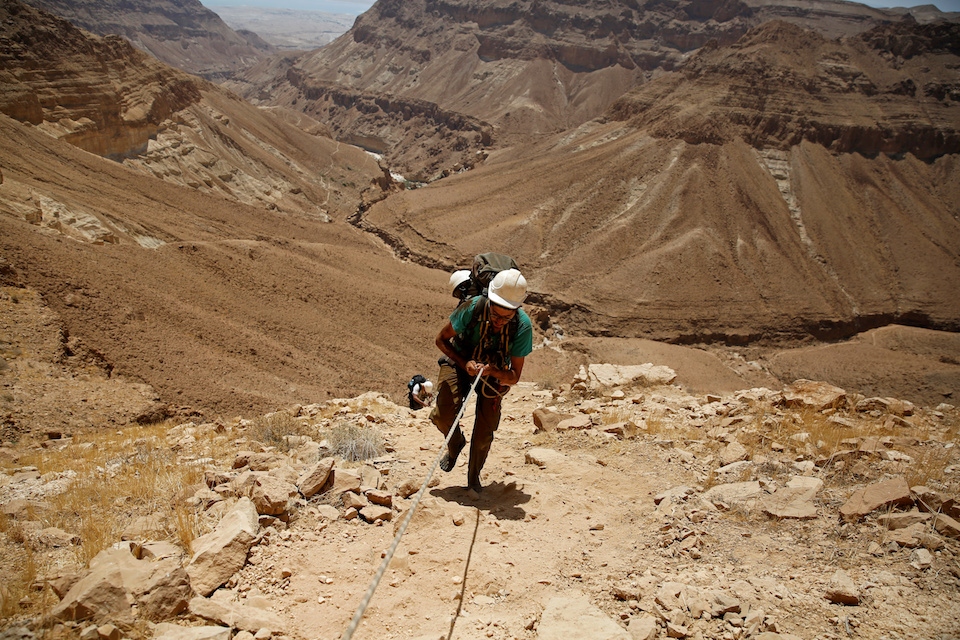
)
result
[(353, 442), (272, 429)]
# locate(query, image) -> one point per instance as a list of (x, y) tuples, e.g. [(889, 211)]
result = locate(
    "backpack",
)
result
[(485, 267), (414, 381)]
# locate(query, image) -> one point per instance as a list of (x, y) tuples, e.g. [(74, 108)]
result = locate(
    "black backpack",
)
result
[(414, 381), (485, 267)]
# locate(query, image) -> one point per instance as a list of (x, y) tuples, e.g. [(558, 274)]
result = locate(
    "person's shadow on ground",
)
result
[(499, 499)]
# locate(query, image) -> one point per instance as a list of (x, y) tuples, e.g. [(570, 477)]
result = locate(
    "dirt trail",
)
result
[(584, 522)]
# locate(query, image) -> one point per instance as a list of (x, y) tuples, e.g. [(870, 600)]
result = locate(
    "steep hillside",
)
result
[(673, 224), (182, 33), (106, 97), (522, 69), (217, 305)]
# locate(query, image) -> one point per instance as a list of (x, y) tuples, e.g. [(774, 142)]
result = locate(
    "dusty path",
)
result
[(584, 522)]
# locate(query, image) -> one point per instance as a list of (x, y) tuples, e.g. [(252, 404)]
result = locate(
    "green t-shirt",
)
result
[(520, 344)]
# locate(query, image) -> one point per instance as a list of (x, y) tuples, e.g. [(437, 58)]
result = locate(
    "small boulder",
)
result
[(842, 589), (886, 493)]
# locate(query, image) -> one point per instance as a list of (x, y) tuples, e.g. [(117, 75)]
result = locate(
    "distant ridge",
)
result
[(181, 33)]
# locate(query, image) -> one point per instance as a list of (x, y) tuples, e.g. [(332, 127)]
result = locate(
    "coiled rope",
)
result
[(358, 616)]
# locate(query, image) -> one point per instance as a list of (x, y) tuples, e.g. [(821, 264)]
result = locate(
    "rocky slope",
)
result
[(181, 33), (616, 503), (526, 68), (106, 97)]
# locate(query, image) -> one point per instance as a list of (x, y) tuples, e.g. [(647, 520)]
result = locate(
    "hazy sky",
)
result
[(356, 7)]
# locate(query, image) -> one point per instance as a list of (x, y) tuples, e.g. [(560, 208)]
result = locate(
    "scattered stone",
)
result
[(116, 580), (543, 457), (56, 537), (222, 552), (343, 480), (237, 616), (818, 396), (408, 487), (574, 618), (270, 495), (581, 421), (733, 452), (886, 405), (794, 501), (548, 419), (921, 559), (733, 492), (145, 527), (887, 493), (169, 631), (373, 513), (894, 521), (842, 589), (616, 375), (380, 497), (946, 525), (313, 480)]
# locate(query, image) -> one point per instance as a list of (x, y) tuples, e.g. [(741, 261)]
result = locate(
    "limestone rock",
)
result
[(842, 589), (543, 457), (795, 500), (643, 627), (116, 580), (946, 525), (572, 617), (879, 494), (373, 513), (894, 521), (344, 480), (807, 394), (733, 492), (614, 375), (170, 631), (547, 419), (236, 616), (270, 495), (733, 452), (576, 422), (222, 552)]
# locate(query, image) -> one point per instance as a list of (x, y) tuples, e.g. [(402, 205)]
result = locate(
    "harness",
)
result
[(492, 347)]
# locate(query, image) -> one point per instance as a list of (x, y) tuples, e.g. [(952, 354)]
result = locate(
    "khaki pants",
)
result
[(452, 385)]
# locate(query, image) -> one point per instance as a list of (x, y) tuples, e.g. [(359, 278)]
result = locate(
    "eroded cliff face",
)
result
[(106, 97), (894, 90), (784, 186), (102, 95), (181, 33), (528, 68)]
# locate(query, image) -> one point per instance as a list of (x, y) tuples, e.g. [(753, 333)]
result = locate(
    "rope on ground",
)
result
[(358, 616), (463, 583)]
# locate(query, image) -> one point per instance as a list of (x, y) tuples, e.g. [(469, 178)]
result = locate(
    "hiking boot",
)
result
[(449, 459)]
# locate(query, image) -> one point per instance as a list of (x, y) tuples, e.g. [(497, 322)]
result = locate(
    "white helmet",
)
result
[(457, 278), (428, 386), (508, 289)]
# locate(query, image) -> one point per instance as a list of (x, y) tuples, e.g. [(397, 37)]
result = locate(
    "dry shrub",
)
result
[(272, 429), (353, 442), (16, 583)]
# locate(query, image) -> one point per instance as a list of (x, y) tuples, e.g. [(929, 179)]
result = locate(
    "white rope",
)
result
[(358, 616)]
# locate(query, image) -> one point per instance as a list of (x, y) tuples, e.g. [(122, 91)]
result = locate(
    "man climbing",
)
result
[(419, 392), (488, 335)]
